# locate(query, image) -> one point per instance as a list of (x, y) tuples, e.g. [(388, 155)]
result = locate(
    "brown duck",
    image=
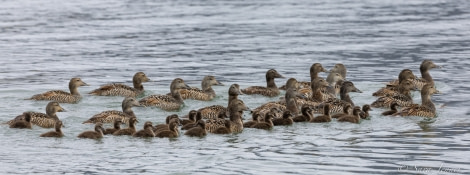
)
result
[(271, 90), (204, 94), (112, 115), (211, 112), (117, 126), (46, 120), (22, 124), (116, 89), (325, 117), (354, 118), (172, 130), (62, 96), (168, 102), (426, 109)]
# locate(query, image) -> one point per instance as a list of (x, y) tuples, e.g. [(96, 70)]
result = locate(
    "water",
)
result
[(45, 43)]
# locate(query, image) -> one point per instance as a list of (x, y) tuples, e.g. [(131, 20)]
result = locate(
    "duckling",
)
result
[(255, 119), (403, 99), (22, 124), (285, 120), (236, 109), (307, 114), (393, 109), (146, 132), (123, 90), (211, 112), (392, 88), (346, 112), (117, 126), (112, 115), (96, 134), (197, 117), (62, 96), (129, 130), (192, 118), (323, 118), (426, 109), (46, 120), (167, 102), (57, 133), (354, 118), (172, 130), (314, 70), (365, 112), (271, 90), (204, 94), (226, 129), (267, 124), (161, 127), (198, 131)]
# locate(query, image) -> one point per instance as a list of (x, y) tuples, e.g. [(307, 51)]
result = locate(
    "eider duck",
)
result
[(22, 124), (325, 117), (211, 112), (317, 85), (289, 104), (267, 124), (168, 102), (403, 98), (285, 120), (339, 68), (204, 94), (337, 105), (335, 84), (46, 120), (172, 130), (236, 109), (57, 133), (393, 109), (161, 127), (346, 111), (213, 124), (116, 89), (62, 96), (365, 112), (393, 88), (129, 130), (354, 118), (96, 134), (314, 70), (117, 126), (198, 131), (426, 109), (426, 78), (307, 114), (110, 116), (255, 119), (271, 90), (226, 129), (146, 132)]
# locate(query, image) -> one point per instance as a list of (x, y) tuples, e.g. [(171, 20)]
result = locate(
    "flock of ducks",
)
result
[(315, 101)]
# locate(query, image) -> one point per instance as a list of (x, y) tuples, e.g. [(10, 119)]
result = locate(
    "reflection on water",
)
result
[(45, 43)]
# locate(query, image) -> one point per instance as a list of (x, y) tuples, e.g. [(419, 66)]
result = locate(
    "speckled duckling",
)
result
[(116, 126), (198, 131), (116, 89), (393, 89), (129, 130), (307, 114), (285, 120), (57, 133), (403, 98), (168, 102), (323, 118), (96, 134), (46, 120), (267, 124), (172, 131), (211, 112), (22, 124), (146, 132), (62, 96), (204, 94), (426, 109), (112, 115), (271, 90), (236, 109), (393, 109), (354, 118)]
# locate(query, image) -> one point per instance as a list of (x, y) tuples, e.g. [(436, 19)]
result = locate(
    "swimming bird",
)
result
[(393, 109), (62, 96), (337, 105), (325, 117), (57, 133), (267, 124), (110, 116), (192, 118), (129, 130), (197, 116), (316, 86), (236, 109), (96, 134), (271, 90), (307, 114), (426, 78), (255, 119), (346, 109), (117, 89), (314, 70), (22, 124), (146, 132), (198, 131), (403, 98), (226, 129), (354, 118), (285, 120), (167, 102), (117, 126), (338, 68), (211, 112), (365, 112), (393, 88), (172, 130), (426, 109), (161, 127), (204, 94), (46, 120)]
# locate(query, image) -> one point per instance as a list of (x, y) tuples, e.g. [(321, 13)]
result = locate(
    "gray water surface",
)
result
[(45, 43)]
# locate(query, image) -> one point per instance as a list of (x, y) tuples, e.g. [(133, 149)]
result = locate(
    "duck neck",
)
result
[(74, 89), (235, 116), (176, 94), (58, 128), (344, 95), (313, 75), (232, 98), (138, 85), (128, 111), (270, 83), (425, 74), (52, 114), (426, 101)]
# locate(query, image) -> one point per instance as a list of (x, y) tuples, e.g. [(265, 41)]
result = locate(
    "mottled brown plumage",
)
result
[(354, 118), (57, 133), (168, 102), (270, 90), (116, 126), (204, 94), (211, 112), (226, 129), (316, 86), (146, 132), (426, 78), (116, 89), (198, 131), (96, 134), (323, 118), (236, 109), (346, 111), (111, 116), (129, 130), (285, 120), (426, 109), (46, 120), (403, 98), (393, 88), (22, 124), (62, 96), (337, 105)]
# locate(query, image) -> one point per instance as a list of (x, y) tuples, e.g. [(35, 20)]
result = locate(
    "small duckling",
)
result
[(172, 130), (192, 118), (146, 132), (325, 117), (355, 118), (56, 133), (307, 114), (365, 112), (96, 134), (393, 109), (117, 126), (161, 127), (62, 96), (197, 117), (267, 124), (22, 124), (346, 109), (198, 131), (129, 130), (285, 120), (255, 119), (226, 129)]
